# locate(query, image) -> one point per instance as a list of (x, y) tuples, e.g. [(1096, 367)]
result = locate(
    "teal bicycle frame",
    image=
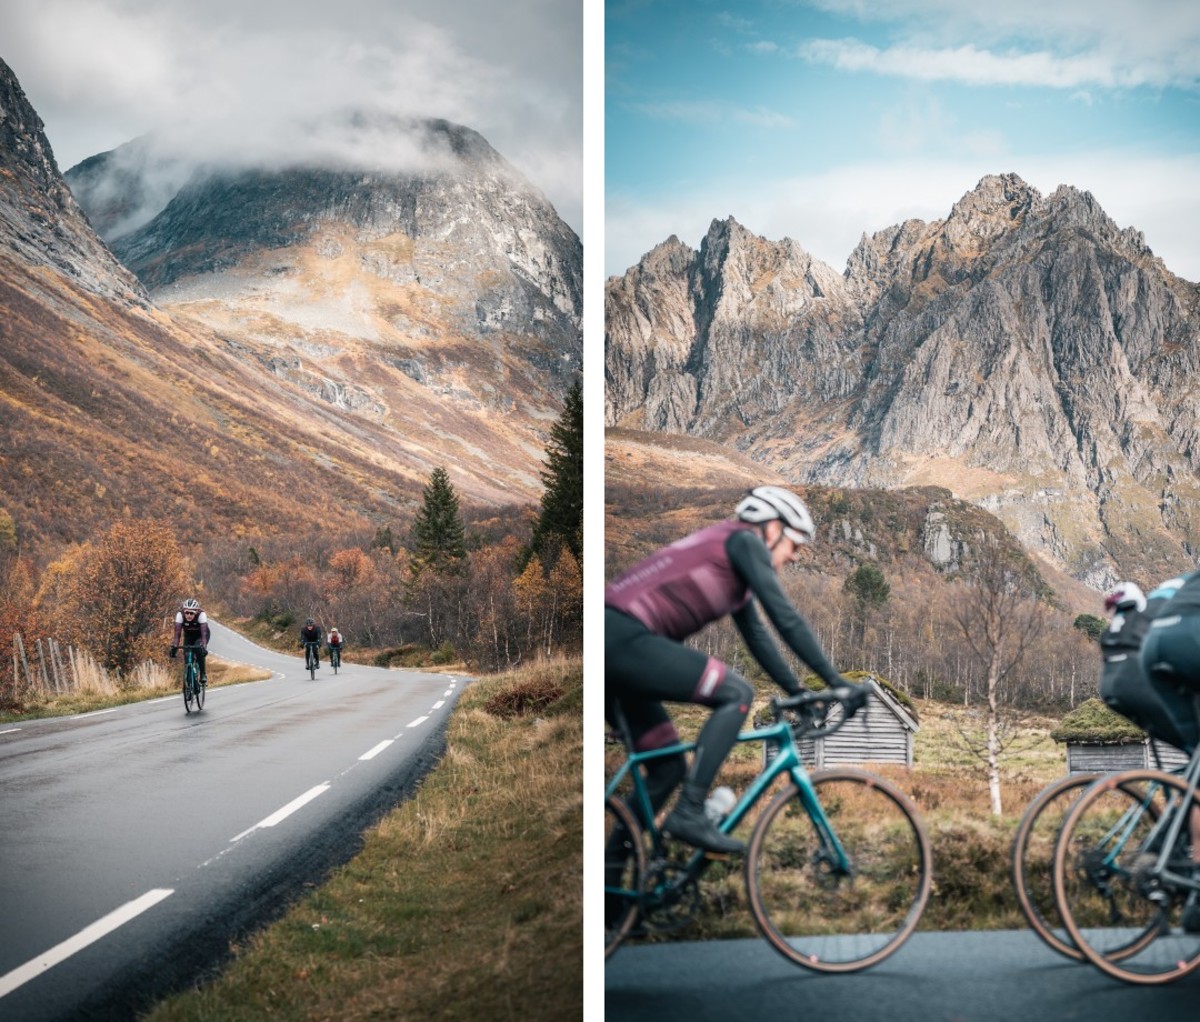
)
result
[(786, 761), (1172, 820)]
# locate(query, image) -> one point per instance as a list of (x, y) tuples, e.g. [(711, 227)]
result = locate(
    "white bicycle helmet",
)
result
[(764, 503), (191, 604), (1125, 596)]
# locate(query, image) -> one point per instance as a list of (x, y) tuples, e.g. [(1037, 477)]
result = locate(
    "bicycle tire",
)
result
[(837, 923), (336, 660), (189, 686), (1033, 860), (628, 865), (201, 690), (1101, 884)]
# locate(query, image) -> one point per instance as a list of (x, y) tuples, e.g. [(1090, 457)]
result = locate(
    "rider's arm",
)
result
[(758, 641), (752, 561)]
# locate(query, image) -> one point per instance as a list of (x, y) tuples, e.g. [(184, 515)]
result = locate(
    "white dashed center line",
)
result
[(419, 720), (89, 935), (286, 811), (377, 750)]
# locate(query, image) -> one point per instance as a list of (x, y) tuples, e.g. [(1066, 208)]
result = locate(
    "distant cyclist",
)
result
[(335, 642), (310, 637), (191, 625), (651, 609)]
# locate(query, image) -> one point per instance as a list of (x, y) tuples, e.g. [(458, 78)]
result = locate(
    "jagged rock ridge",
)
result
[(1024, 352)]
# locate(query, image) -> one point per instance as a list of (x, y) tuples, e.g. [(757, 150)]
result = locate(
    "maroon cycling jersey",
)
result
[(685, 586)]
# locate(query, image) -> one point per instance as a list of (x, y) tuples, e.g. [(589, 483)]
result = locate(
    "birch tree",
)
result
[(999, 616)]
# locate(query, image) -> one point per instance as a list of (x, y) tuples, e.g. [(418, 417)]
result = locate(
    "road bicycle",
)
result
[(1123, 874), (1032, 860), (335, 658), (310, 659), (838, 869), (193, 686)]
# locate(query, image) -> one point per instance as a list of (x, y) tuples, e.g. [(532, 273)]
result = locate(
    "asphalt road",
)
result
[(136, 843), (1007, 976)]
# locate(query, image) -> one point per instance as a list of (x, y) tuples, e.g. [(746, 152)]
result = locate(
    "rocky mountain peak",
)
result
[(1022, 352), (40, 221)]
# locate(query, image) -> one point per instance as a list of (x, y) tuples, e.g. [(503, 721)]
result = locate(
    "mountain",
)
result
[(442, 302), (216, 411), (1024, 353)]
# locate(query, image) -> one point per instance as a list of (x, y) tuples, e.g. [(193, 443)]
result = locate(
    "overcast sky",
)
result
[(102, 72), (821, 120)]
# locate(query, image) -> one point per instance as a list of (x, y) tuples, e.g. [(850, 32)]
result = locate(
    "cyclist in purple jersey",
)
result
[(720, 571)]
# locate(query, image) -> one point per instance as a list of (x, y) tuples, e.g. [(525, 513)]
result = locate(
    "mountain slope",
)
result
[(114, 404), (1023, 352), (441, 302)]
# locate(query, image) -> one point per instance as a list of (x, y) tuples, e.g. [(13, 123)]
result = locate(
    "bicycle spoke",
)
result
[(1033, 860), (825, 913), (1119, 909)]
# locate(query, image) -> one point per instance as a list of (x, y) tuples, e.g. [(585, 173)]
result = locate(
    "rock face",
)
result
[(40, 222), (1024, 352), (466, 214), (448, 286)]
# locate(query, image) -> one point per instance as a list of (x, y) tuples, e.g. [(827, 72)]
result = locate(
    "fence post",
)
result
[(42, 666), (60, 672), (20, 645)]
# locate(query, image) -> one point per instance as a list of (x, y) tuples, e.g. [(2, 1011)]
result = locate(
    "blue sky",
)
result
[(821, 120)]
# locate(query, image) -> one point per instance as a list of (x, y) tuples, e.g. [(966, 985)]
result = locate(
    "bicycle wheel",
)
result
[(624, 870), (201, 688), (817, 914), (1122, 916), (336, 659), (1033, 859), (189, 686)]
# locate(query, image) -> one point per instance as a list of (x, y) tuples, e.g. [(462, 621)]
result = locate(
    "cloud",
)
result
[(709, 113), (827, 213), (972, 66), (1109, 43), (100, 72)]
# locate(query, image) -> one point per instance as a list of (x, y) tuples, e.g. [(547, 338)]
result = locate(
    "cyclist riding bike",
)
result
[(336, 643), (651, 609), (1170, 660), (310, 637), (191, 625)]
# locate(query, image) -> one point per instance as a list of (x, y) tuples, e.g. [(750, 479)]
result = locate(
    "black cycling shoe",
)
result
[(688, 822)]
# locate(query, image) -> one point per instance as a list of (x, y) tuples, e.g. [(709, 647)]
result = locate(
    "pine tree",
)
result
[(561, 516), (439, 536)]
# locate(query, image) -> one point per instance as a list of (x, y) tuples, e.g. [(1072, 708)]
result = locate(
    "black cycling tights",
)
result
[(643, 669)]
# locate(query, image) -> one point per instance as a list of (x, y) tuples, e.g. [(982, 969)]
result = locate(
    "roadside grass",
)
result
[(972, 887), (153, 682), (465, 902)]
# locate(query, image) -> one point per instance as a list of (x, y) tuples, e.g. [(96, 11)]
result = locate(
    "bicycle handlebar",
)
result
[(812, 707)]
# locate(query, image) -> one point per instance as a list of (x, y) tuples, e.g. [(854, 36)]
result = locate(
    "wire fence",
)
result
[(47, 668)]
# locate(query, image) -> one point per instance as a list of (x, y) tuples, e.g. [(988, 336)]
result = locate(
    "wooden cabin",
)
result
[(1099, 740), (882, 732)]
